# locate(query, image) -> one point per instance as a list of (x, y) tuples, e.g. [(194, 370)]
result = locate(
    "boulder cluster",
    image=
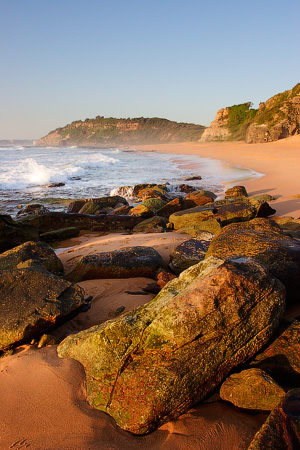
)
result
[(215, 327)]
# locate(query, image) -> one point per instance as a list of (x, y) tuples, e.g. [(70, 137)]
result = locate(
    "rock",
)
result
[(281, 431), (32, 209), (164, 277), (60, 235), (252, 389), (186, 188), (126, 263), (154, 204), (236, 191), (193, 178), (57, 220), (174, 205), (32, 302), (154, 224), (155, 192), (121, 210), (288, 223), (12, 233), (189, 253), (36, 252), (75, 206), (191, 216), (263, 209), (152, 364), (197, 198), (281, 358), (52, 185), (235, 212), (141, 211), (90, 208), (46, 340), (212, 226), (263, 240)]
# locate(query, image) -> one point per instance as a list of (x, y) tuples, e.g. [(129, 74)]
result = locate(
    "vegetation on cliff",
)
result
[(277, 118), (110, 131)]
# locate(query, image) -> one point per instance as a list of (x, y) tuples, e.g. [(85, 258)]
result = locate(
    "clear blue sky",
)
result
[(66, 60)]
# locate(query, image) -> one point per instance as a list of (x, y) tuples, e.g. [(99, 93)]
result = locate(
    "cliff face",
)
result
[(277, 118), (110, 132)]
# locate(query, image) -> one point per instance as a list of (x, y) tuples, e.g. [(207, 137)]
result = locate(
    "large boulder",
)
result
[(32, 209), (38, 252), (13, 233), (236, 191), (281, 357), (32, 301), (126, 263), (152, 364), (154, 224), (189, 252), (252, 389), (281, 431), (263, 240), (191, 216)]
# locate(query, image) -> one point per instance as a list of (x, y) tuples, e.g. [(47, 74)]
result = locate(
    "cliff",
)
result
[(111, 132), (277, 118)]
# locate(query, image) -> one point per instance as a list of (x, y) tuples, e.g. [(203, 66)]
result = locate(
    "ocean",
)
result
[(26, 174)]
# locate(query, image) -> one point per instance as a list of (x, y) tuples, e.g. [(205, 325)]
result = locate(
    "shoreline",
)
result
[(278, 161)]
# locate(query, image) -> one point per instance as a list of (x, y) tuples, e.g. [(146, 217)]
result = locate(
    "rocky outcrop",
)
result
[(218, 129), (108, 132), (127, 263), (152, 364), (189, 252)]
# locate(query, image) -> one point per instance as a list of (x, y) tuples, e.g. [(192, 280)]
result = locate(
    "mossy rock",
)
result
[(152, 364), (263, 240), (154, 224), (141, 211), (154, 204), (212, 225), (36, 252), (13, 233), (192, 216), (60, 235)]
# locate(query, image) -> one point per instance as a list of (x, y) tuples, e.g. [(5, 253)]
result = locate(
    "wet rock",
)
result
[(126, 263), (13, 233), (75, 206), (193, 178), (186, 188), (32, 302), (252, 389), (281, 431), (60, 235), (189, 253), (53, 185), (32, 209), (281, 357), (152, 364), (236, 191), (263, 240), (154, 224)]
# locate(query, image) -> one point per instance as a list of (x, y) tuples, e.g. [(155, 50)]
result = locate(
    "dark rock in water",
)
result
[(281, 431), (32, 209), (152, 364), (13, 233), (189, 253), (32, 302), (52, 185), (57, 220), (236, 191), (186, 188), (252, 389), (281, 357), (126, 263), (60, 235), (193, 178), (263, 240), (94, 204), (36, 252), (154, 224)]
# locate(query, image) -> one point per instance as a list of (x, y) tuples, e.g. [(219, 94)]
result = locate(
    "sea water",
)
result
[(26, 173)]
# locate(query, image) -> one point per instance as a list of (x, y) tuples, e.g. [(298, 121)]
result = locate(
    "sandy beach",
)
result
[(279, 162), (43, 398)]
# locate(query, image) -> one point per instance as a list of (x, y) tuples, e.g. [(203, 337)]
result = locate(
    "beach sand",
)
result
[(43, 398)]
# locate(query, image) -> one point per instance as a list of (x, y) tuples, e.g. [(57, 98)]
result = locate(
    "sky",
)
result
[(183, 60)]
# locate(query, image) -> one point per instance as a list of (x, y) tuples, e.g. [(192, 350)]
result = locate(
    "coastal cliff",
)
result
[(277, 118), (109, 132)]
